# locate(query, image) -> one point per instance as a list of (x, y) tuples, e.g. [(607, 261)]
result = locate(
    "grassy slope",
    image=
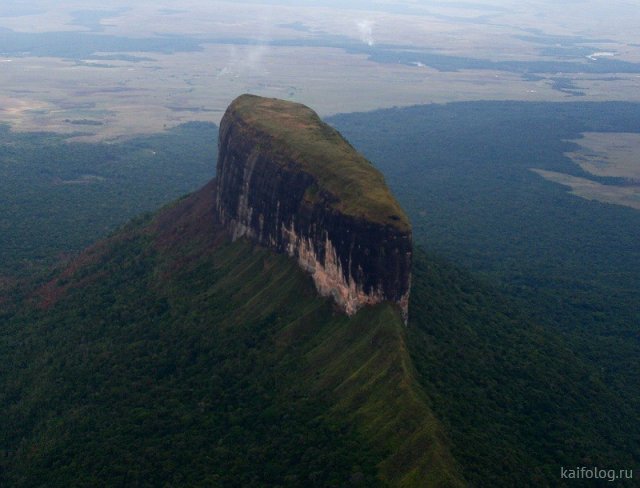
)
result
[(170, 356), (298, 132)]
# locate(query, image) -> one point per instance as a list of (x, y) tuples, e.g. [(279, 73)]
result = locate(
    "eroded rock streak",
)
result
[(263, 195)]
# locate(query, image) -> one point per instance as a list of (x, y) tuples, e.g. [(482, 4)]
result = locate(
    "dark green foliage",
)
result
[(530, 362), (168, 356), (135, 381), (517, 401), (462, 173), (58, 196), (444, 62)]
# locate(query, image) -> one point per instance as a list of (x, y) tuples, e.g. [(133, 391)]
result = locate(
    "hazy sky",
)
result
[(584, 16)]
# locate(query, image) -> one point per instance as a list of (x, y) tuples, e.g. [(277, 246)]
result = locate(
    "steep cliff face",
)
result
[(292, 183)]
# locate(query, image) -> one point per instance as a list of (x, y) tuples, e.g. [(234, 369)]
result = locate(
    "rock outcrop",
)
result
[(290, 182)]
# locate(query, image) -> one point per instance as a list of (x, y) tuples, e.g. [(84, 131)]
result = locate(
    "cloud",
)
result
[(365, 29), (250, 59)]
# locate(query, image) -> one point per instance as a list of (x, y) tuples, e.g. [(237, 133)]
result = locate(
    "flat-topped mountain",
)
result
[(209, 362), (292, 183)]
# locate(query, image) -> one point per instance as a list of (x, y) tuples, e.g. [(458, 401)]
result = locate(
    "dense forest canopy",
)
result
[(523, 320)]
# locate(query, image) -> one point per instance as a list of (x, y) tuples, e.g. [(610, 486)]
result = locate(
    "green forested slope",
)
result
[(127, 370), (166, 356), (518, 401)]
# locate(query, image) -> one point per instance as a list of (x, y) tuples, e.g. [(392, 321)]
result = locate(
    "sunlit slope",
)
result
[(168, 356)]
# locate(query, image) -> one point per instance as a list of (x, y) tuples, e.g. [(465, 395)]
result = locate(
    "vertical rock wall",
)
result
[(264, 195)]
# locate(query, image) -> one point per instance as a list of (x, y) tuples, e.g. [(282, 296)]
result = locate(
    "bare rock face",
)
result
[(292, 183)]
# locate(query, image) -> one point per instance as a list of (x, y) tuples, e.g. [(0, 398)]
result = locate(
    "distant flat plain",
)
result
[(103, 73), (607, 155)]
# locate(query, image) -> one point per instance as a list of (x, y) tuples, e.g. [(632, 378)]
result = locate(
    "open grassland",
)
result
[(140, 68), (628, 196), (148, 96), (605, 155), (609, 154)]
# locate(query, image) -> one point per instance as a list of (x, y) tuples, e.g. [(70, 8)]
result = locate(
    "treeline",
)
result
[(59, 196)]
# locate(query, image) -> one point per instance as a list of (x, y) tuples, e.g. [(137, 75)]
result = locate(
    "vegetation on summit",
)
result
[(317, 148)]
